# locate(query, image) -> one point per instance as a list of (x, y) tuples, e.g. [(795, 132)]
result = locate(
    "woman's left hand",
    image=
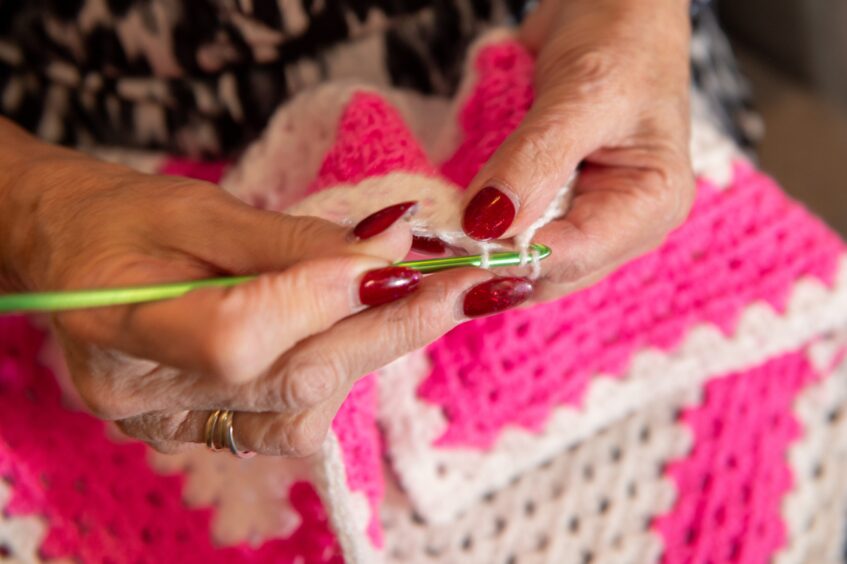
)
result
[(612, 94)]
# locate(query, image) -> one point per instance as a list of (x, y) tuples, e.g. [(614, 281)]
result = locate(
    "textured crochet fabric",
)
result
[(674, 412)]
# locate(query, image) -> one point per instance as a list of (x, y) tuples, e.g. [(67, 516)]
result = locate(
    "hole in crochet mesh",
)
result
[(529, 508), (499, 525), (588, 473), (632, 490), (433, 551), (558, 490), (154, 498), (467, 543), (417, 519), (690, 536), (644, 435), (817, 472), (573, 525), (616, 454), (441, 470), (604, 506), (512, 559), (542, 542), (734, 550), (834, 415), (587, 557)]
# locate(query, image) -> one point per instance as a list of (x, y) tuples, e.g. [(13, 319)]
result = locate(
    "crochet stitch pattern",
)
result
[(689, 408)]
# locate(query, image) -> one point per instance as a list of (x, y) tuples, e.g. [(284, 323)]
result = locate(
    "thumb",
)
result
[(516, 186), (243, 240)]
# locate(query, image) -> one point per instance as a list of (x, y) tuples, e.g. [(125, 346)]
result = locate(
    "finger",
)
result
[(236, 333), (365, 342), (517, 185), (618, 213), (281, 434), (536, 26), (316, 369), (239, 239)]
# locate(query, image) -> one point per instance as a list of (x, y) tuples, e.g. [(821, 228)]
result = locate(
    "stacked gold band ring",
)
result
[(219, 434)]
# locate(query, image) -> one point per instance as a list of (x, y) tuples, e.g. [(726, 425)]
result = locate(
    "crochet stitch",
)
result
[(689, 408)]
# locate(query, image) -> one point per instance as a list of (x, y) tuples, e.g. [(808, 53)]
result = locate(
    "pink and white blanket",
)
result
[(692, 407)]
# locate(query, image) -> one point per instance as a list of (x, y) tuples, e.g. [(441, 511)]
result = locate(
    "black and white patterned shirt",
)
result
[(202, 77)]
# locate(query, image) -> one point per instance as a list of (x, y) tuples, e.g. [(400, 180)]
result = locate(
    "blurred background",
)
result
[(794, 53)]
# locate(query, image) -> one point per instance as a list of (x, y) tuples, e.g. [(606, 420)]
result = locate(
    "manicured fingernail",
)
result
[(388, 284), (489, 214), (379, 221), (495, 295), (432, 245)]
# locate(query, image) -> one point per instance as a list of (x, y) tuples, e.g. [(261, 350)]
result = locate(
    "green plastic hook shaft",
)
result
[(104, 297)]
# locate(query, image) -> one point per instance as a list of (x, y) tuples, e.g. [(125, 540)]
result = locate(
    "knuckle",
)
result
[(586, 70), (539, 145), (101, 400), (591, 67), (574, 269), (308, 382), (419, 322), (306, 434), (296, 229)]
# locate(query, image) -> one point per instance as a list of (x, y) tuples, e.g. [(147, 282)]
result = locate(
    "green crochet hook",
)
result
[(103, 297)]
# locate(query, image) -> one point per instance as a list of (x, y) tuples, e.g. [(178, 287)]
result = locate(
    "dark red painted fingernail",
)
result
[(432, 245), (495, 295), (388, 284), (488, 215), (379, 221)]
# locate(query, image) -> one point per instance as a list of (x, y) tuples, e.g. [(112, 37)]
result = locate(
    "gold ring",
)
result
[(219, 433), (210, 430)]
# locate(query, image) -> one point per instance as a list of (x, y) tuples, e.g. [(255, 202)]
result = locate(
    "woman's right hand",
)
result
[(282, 351)]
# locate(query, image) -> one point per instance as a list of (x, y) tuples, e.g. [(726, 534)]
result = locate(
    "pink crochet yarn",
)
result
[(355, 426), (371, 140), (210, 171), (100, 499), (744, 244), (501, 97), (732, 483)]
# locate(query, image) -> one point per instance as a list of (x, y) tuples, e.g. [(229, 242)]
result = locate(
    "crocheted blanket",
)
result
[(691, 407)]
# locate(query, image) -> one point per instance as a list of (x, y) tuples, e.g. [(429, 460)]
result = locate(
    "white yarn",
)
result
[(349, 511), (597, 498), (813, 511), (555, 209), (444, 482)]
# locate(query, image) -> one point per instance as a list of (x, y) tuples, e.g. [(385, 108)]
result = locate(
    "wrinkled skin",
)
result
[(612, 93)]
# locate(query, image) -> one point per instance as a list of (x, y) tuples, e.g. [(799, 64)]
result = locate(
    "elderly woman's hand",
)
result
[(612, 89), (282, 351)]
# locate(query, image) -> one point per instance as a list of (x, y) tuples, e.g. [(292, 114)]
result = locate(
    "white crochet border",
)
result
[(349, 511), (813, 511), (443, 482)]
